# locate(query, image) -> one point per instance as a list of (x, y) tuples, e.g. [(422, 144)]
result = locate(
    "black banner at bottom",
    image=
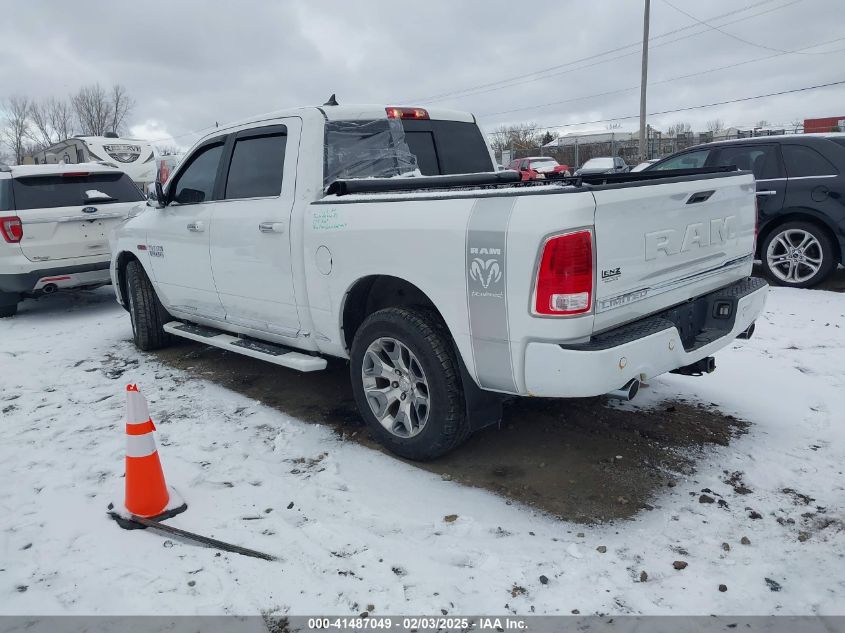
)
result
[(423, 624)]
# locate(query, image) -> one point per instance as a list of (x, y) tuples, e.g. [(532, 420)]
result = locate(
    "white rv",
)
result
[(135, 157)]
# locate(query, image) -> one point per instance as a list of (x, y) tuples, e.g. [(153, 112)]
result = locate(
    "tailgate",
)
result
[(67, 217), (661, 243)]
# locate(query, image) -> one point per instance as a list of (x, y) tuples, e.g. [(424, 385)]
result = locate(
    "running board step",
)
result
[(270, 352)]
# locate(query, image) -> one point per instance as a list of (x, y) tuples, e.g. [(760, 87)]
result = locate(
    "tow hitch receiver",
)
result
[(698, 368)]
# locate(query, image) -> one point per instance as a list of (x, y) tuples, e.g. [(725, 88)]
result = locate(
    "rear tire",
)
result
[(145, 310), (798, 255), (416, 347)]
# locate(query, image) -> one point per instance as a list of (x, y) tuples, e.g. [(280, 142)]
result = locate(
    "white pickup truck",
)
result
[(373, 234)]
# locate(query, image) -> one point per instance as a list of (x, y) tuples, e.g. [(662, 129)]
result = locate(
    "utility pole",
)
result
[(644, 82)]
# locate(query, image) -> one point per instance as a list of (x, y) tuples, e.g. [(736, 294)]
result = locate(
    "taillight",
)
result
[(406, 113), (565, 277), (12, 229)]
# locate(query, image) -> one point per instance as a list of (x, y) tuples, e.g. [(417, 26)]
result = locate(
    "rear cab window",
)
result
[(48, 192), (386, 148)]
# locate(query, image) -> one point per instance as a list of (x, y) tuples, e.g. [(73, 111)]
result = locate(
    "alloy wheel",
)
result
[(794, 256), (396, 387)]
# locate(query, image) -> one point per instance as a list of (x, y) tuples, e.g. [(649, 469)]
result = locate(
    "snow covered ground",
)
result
[(358, 530)]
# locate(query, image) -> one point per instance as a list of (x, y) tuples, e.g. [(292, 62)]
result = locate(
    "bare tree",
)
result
[(16, 125), (93, 109), (762, 123), (167, 150), (678, 128), (61, 118), (122, 105), (98, 111), (517, 136), (52, 121), (715, 125)]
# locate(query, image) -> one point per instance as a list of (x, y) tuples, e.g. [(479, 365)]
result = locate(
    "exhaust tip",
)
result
[(49, 289), (747, 333), (627, 392)]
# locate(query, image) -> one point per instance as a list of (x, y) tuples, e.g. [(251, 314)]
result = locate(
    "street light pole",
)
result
[(644, 82)]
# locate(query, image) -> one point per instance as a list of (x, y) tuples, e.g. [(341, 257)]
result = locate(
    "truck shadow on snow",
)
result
[(580, 460)]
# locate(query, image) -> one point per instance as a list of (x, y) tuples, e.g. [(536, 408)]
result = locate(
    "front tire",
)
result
[(798, 255), (8, 310), (407, 383), (145, 310)]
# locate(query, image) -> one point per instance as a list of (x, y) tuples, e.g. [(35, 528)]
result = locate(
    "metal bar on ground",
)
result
[(205, 540)]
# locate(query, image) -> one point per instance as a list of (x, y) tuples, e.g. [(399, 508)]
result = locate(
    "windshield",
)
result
[(47, 192), (598, 163)]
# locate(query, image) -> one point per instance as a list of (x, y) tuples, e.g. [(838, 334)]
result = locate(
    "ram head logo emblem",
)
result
[(485, 271)]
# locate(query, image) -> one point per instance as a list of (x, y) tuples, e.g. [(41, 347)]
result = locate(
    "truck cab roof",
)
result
[(351, 112)]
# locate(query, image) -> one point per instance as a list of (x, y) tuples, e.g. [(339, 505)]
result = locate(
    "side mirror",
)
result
[(159, 191), (153, 196)]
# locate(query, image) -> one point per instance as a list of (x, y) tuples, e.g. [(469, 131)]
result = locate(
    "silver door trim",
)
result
[(74, 218)]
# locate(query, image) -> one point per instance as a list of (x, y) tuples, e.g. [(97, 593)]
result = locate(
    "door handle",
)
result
[(768, 192), (196, 227), (701, 196), (272, 227)]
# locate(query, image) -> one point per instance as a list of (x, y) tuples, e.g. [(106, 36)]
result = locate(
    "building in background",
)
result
[(827, 124)]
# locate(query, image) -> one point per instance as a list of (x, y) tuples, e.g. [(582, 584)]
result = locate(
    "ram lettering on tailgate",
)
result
[(696, 235)]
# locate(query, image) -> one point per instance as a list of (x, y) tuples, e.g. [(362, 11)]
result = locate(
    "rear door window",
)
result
[(762, 160), (195, 183), (47, 192), (256, 168), (801, 161)]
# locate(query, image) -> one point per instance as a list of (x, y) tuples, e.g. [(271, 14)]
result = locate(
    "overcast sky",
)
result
[(189, 63)]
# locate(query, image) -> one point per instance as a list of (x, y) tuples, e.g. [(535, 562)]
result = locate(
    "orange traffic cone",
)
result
[(147, 494)]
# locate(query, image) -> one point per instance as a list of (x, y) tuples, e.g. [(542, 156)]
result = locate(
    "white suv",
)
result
[(54, 227)]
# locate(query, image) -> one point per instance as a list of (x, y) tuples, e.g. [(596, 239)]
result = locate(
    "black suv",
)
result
[(800, 199)]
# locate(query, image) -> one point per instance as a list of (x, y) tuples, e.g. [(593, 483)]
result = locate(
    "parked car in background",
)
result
[(133, 156), (800, 194), (537, 167), (646, 163), (603, 165), (165, 166), (55, 222)]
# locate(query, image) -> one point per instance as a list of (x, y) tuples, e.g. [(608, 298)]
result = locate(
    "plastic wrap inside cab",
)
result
[(367, 149)]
